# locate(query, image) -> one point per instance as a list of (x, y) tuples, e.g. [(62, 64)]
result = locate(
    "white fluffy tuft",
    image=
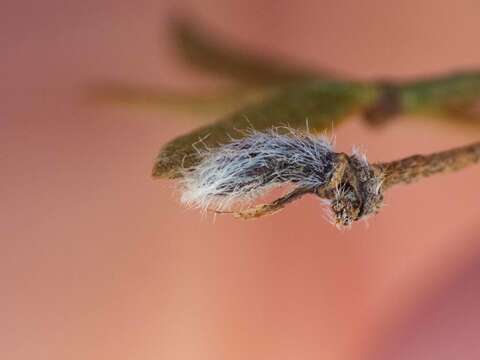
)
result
[(242, 170)]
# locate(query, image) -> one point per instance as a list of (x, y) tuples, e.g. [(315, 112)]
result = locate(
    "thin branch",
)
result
[(416, 167)]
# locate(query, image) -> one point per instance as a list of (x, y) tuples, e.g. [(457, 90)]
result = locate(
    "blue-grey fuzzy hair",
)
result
[(239, 171)]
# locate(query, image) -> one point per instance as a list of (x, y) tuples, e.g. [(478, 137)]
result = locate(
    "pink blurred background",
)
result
[(98, 261)]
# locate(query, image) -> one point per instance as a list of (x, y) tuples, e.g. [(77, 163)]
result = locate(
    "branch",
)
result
[(416, 167)]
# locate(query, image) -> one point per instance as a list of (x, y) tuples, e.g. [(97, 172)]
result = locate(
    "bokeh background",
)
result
[(99, 261)]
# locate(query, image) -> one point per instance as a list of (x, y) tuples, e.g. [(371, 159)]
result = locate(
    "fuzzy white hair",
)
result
[(242, 170)]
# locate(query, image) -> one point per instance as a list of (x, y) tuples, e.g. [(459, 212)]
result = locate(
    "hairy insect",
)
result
[(244, 169)]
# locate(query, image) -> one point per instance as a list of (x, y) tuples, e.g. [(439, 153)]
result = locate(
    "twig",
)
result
[(416, 167)]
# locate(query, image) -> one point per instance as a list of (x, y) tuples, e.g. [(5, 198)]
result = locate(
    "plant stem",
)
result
[(417, 167)]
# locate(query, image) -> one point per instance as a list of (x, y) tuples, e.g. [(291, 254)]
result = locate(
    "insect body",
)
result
[(242, 170)]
